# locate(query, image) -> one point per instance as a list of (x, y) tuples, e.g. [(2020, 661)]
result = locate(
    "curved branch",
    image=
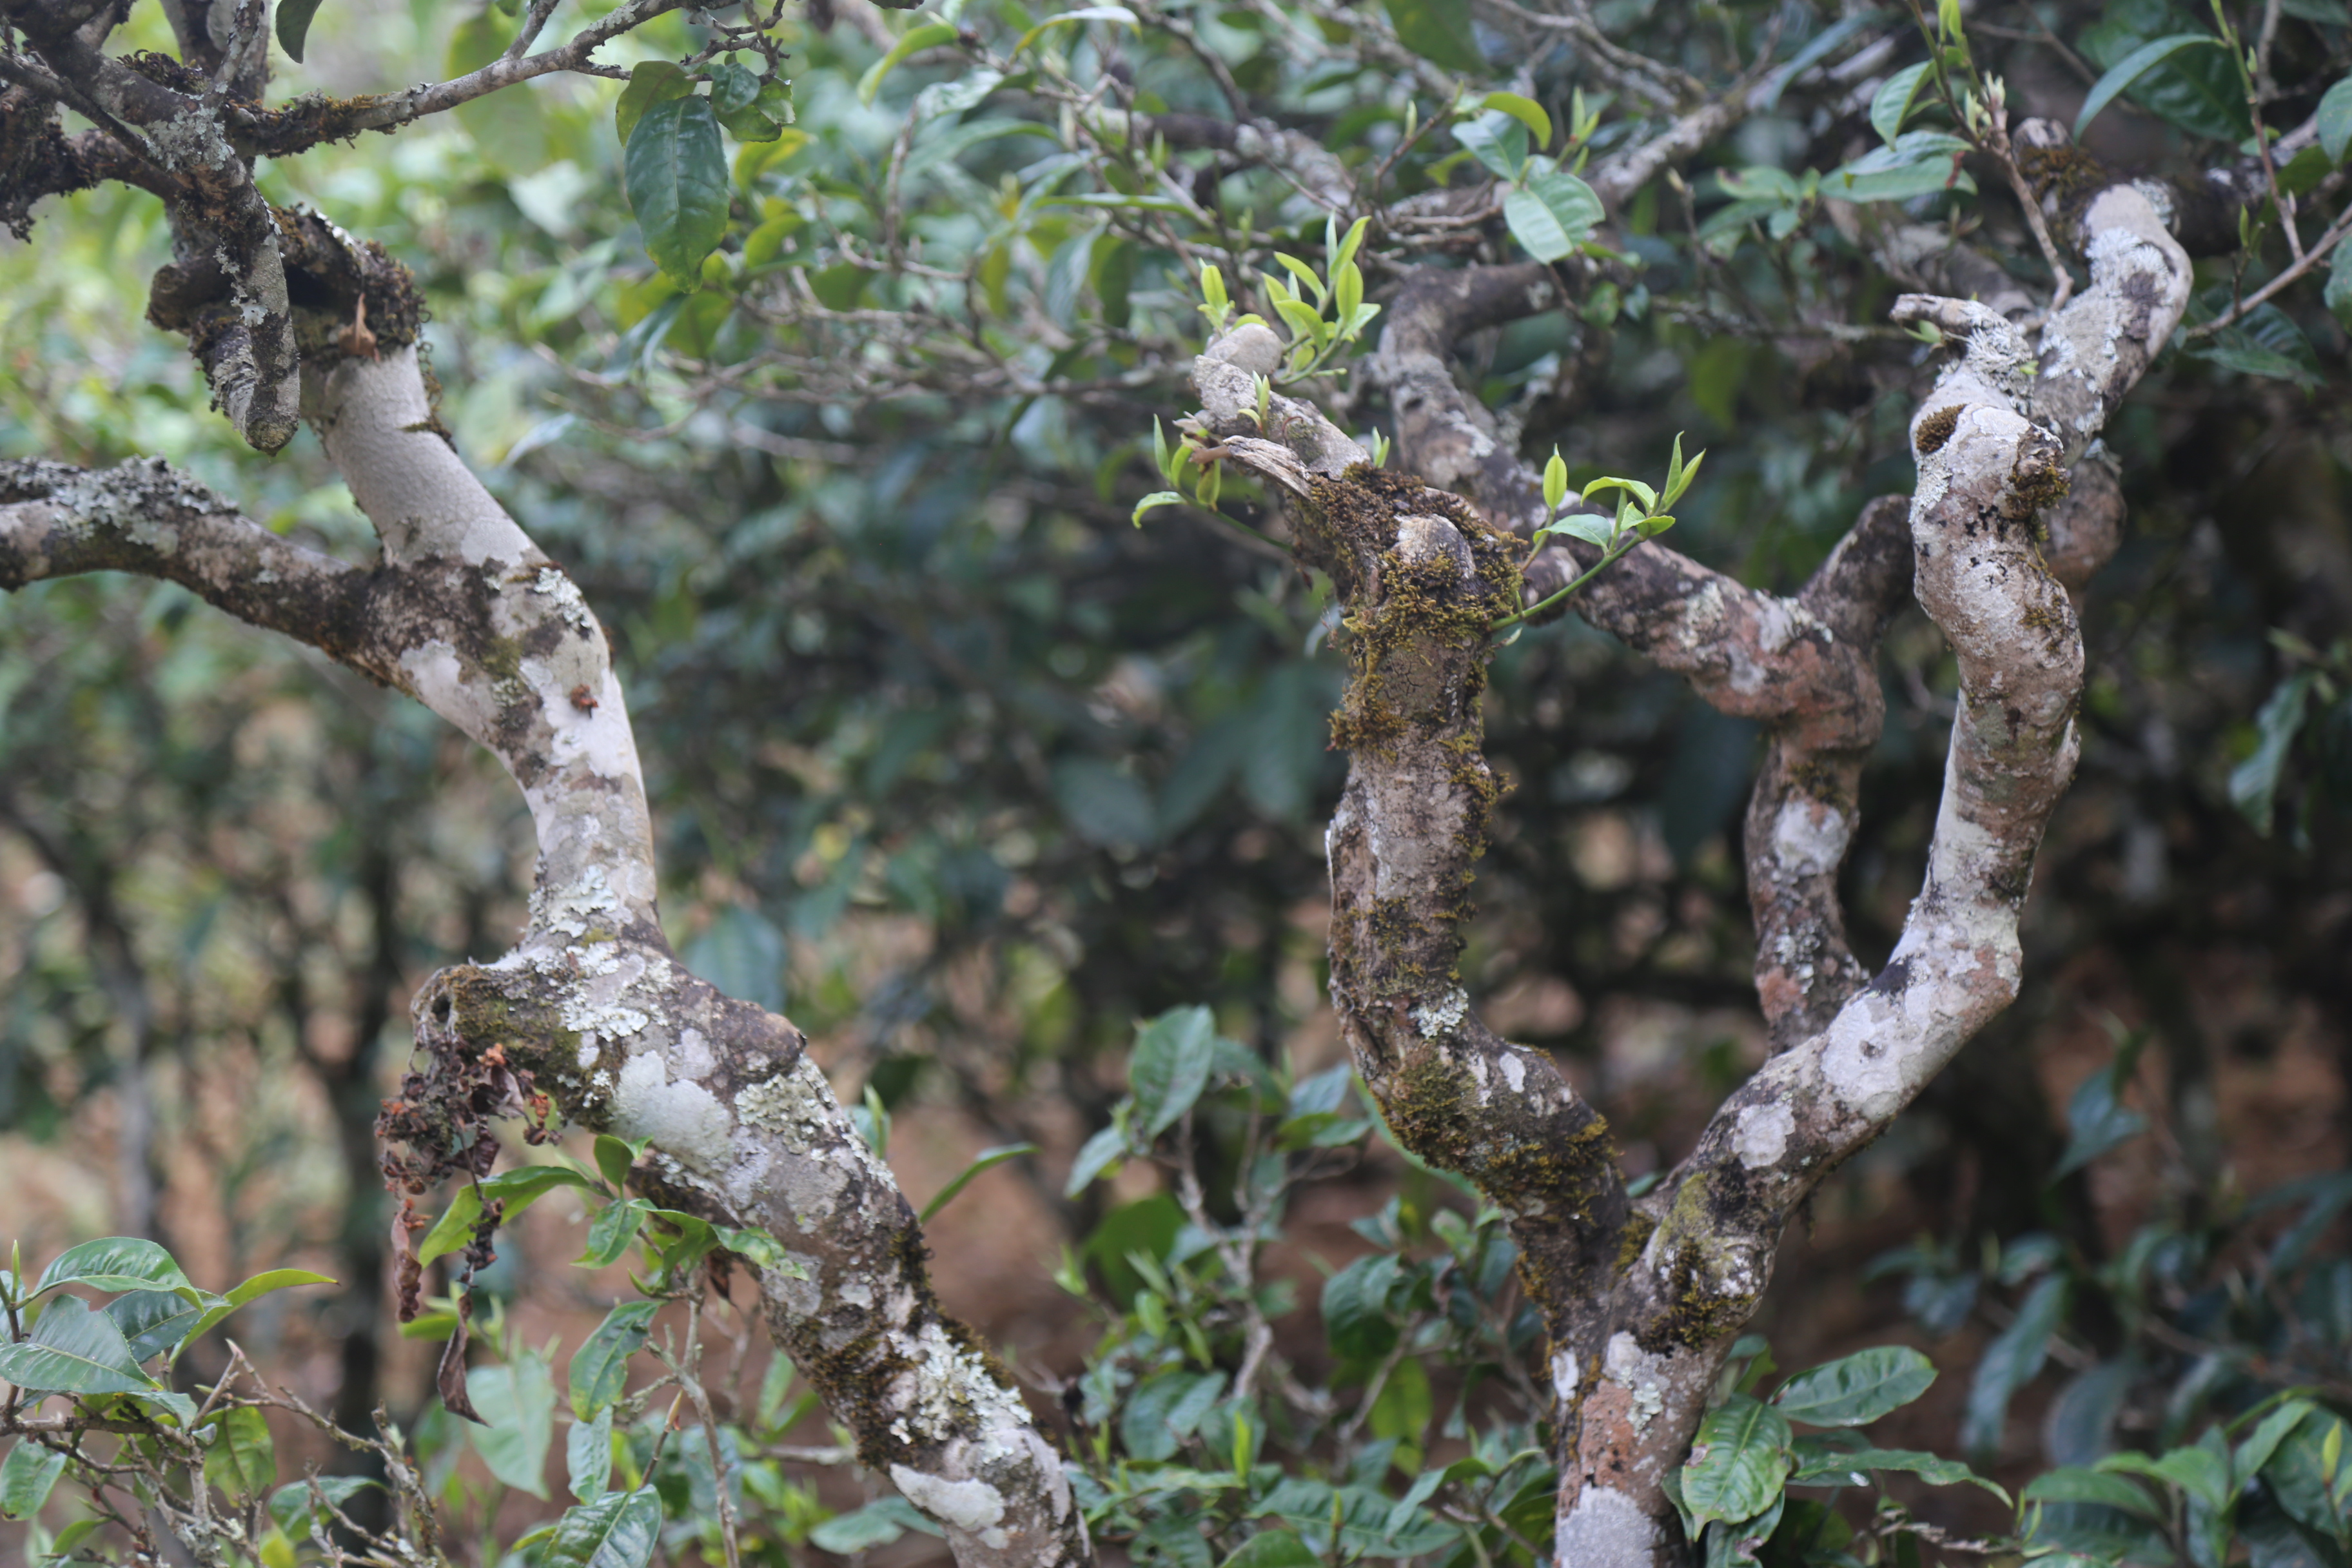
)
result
[(467, 616)]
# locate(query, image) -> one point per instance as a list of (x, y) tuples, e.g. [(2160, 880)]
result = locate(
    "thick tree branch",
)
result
[(466, 614)]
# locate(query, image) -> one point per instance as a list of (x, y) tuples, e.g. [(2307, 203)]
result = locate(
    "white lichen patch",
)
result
[(1564, 1369), (1760, 1136), (950, 1392), (1441, 1015), (587, 902), (682, 1117), (1809, 838), (569, 603), (1647, 1404), (971, 1506)]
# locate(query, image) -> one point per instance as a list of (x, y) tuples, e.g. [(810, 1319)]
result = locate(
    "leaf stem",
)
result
[(1545, 603)]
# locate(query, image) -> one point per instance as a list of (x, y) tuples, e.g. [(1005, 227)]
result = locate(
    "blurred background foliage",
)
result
[(970, 775)]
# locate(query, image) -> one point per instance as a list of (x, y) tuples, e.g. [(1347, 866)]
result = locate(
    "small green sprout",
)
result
[(1641, 514)]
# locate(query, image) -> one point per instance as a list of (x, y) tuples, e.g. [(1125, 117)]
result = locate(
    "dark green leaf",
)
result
[(1857, 1390), (241, 1460), (615, 1157), (1165, 1410), (650, 82), (2010, 1361), (26, 1478), (1273, 1549), (1826, 1467), (1745, 1464), (619, 1529), (294, 26), (600, 1367), (1438, 31), (879, 1523), (2097, 1120), (153, 1321), (2254, 784), (73, 1351), (2338, 294), (610, 1233), (2073, 1485), (1171, 1066), (677, 176), (2336, 122), (2134, 66), (117, 1263), (1354, 1308), (455, 1225)]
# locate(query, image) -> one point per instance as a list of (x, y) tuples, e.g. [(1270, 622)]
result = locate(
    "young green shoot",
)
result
[(1641, 514)]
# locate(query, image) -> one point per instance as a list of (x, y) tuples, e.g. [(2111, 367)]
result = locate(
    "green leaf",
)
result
[(1891, 105), (1526, 110), (2010, 1361), (26, 1478), (1590, 527), (242, 1461), (117, 1263), (1498, 141), (1354, 1308), (600, 1367), (2096, 1117), (879, 1523), (2335, 126), (677, 178), (619, 1529), (588, 1455), (2133, 66), (153, 1321), (1918, 163), (1438, 31), (986, 1159), (2255, 1452), (1273, 1549), (294, 26), (650, 82), (760, 1250), (1171, 1066), (1105, 1148), (1823, 1466), (1083, 14), (1746, 1463), (73, 1351), (2200, 1472), (2071, 1484), (610, 1233), (2254, 784), (1553, 213), (616, 1157), (930, 36), (1857, 1390), (515, 1400), (260, 1285), (455, 1228)]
